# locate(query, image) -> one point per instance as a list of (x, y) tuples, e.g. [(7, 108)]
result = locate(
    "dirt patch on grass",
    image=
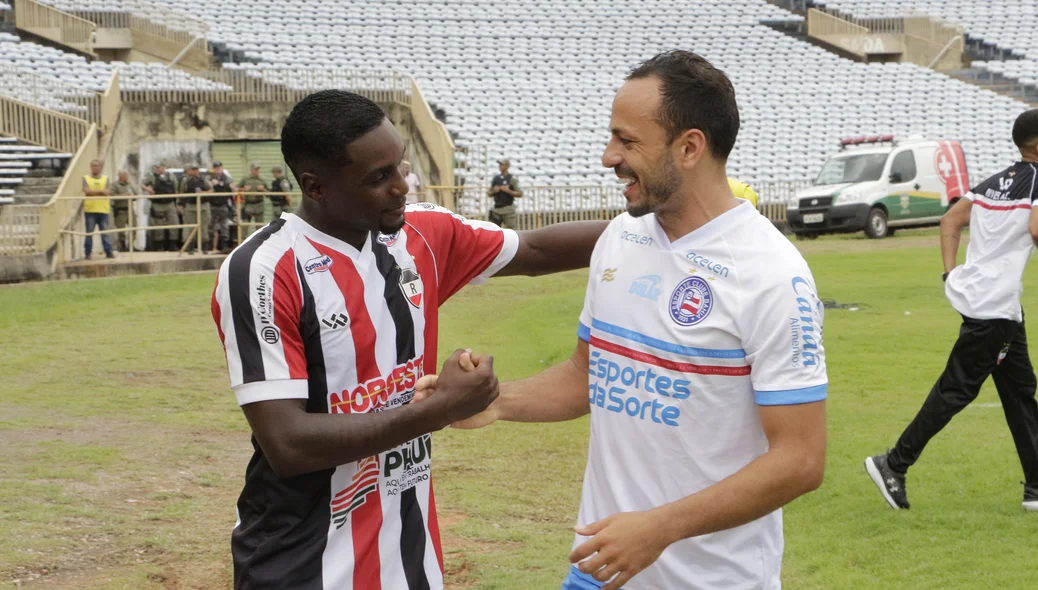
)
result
[(160, 516)]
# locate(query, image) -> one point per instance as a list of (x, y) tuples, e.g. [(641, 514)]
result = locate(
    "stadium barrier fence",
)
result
[(55, 25), (540, 207), (19, 226), (282, 85), (57, 131)]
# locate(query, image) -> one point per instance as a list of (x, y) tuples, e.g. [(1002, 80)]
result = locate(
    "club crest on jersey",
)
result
[(411, 286), (353, 496), (691, 301), (319, 264), (387, 240)]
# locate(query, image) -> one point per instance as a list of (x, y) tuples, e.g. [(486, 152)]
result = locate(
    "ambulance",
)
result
[(879, 184)]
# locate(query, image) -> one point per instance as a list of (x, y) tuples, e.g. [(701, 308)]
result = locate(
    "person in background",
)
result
[(741, 190), (219, 205), (280, 203), (992, 341), (195, 211), (96, 211), (505, 190), (163, 209), (253, 210), (414, 185), (121, 208)]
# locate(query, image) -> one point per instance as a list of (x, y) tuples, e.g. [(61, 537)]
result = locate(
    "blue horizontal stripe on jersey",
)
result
[(578, 580), (731, 353), (583, 332), (791, 397)]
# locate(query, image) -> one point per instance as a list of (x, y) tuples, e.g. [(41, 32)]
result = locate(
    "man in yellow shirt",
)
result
[(97, 211), (743, 191)]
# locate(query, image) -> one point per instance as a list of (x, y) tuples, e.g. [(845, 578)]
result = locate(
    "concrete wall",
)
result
[(182, 132)]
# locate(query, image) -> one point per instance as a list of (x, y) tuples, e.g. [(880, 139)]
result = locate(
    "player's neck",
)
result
[(696, 207), (308, 213)]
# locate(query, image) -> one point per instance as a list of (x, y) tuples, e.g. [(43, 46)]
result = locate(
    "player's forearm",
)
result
[(951, 234), (774, 479), (324, 441), (561, 246), (554, 395)]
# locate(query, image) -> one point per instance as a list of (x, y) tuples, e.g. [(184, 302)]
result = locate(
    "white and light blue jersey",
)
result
[(686, 339)]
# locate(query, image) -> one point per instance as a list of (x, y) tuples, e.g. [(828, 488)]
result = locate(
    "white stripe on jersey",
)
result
[(230, 340)]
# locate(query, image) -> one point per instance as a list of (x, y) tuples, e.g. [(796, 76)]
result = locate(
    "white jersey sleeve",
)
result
[(782, 337), (256, 305)]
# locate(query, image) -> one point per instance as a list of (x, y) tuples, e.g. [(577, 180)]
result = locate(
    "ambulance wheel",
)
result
[(876, 224)]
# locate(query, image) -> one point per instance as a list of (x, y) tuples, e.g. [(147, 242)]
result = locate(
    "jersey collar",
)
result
[(294, 223), (714, 228)]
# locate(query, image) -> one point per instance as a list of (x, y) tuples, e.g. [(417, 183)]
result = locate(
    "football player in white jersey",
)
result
[(699, 357)]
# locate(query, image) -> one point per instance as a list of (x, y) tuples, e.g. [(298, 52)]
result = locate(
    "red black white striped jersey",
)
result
[(304, 315)]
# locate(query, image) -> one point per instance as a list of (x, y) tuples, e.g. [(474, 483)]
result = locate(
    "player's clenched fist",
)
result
[(464, 387)]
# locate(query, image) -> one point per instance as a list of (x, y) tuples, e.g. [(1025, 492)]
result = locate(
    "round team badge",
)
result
[(691, 302)]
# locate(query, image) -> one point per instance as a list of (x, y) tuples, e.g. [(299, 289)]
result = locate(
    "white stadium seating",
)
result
[(533, 80)]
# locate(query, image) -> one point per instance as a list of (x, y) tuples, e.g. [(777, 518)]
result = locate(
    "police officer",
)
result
[(163, 209), (253, 209), (223, 185), (505, 190), (280, 203), (121, 208), (196, 211)]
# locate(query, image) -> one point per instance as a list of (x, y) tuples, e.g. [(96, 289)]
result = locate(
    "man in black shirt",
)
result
[(195, 210), (280, 203), (505, 190)]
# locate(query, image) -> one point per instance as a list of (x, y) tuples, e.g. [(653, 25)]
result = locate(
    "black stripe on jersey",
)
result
[(412, 532), (238, 287)]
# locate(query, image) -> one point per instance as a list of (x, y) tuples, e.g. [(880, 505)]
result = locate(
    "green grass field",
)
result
[(124, 450)]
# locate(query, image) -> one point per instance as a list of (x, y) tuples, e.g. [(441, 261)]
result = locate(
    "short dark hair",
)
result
[(324, 123), (694, 95), (1025, 130)]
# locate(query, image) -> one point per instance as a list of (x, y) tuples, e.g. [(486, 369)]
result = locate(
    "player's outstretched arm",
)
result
[(952, 223), (628, 542), (558, 247), (296, 442), (553, 395)]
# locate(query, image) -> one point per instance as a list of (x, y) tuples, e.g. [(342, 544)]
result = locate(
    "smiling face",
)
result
[(639, 151), (369, 192)]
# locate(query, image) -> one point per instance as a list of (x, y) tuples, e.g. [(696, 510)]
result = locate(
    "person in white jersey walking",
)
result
[(992, 340), (699, 357)]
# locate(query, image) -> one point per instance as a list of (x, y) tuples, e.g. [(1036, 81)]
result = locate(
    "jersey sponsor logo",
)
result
[(616, 388), (805, 329), (715, 267), (387, 240), (412, 287), (691, 302), (407, 465), (634, 238), (646, 287), (270, 334), (354, 495), (608, 275), (373, 395), (319, 264), (336, 320), (426, 206)]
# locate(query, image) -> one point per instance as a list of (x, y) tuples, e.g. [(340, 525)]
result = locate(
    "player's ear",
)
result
[(312, 187), (692, 146)]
